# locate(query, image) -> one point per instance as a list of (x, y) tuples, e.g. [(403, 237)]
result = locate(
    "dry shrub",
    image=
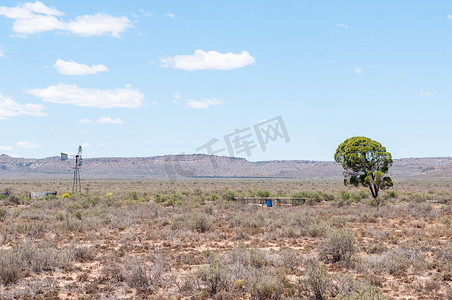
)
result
[(338, 245), (84, 254), (9, 273), (243, 271), (137, 274), (319, 281), (397, 261), (14, 200), (201, 222)]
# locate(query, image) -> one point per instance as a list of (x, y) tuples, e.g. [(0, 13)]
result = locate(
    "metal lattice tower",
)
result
[(76, 184)]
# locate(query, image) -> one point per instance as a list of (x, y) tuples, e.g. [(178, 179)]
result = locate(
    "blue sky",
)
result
[(144, 78)]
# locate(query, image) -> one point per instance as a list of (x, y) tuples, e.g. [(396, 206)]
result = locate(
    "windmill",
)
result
[(76, 185)]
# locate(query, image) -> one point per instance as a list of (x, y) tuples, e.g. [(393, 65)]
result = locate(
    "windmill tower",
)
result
[(76, 185)]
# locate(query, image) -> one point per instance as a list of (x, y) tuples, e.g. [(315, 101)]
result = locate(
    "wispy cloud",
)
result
[(72, 94), (99, 24), (202, 60), (203, 104), (108, 120), (74, 68), (358, 71), (342, 25), (32, 18), (449, 17), (1, 52), (28, 145), (84, 121), (146, 13), (6, 148), (103, 120), (170, 15), (176, 95), (428, 94), (10, 108)]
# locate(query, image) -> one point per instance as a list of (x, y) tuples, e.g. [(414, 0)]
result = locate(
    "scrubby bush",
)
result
[(242, 271), (214, 275), (173, 199), (3, 214), (327, 197), (267, 286), (9, 274), (397, 261), (338, 245), (14, 200), (359, 196), (392, 194), (37, 258), (84, 254), (201, 222), (263, 193), (311, 196), (90, 202), (362, 293), (345, 195), (229, 195), (319, 281), (317, 228), (137, 275), (133, 195), (214, 197)]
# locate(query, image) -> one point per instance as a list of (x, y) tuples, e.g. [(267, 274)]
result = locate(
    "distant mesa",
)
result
[(226, 167)]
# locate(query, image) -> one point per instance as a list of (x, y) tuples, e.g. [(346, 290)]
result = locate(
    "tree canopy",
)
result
[(365, 162)]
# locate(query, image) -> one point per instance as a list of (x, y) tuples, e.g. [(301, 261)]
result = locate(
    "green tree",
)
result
[(365, 162)]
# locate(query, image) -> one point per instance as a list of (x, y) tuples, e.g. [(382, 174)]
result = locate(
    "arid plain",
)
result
[(188, 239)]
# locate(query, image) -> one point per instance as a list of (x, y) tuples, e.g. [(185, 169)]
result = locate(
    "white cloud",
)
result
[(204, 104), (146, 13), (84, 121), (6, 148), (10, 108), (177, 95), (99, 24), (37, 24), (75, 68), (85, 145), (28, 10), (108, 120), (40, 8), (72, 94), (358, 71), (32, 18), (342, 25), (214, 60), (449, 17), (170, 15), (28, 145), (428, 94)]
